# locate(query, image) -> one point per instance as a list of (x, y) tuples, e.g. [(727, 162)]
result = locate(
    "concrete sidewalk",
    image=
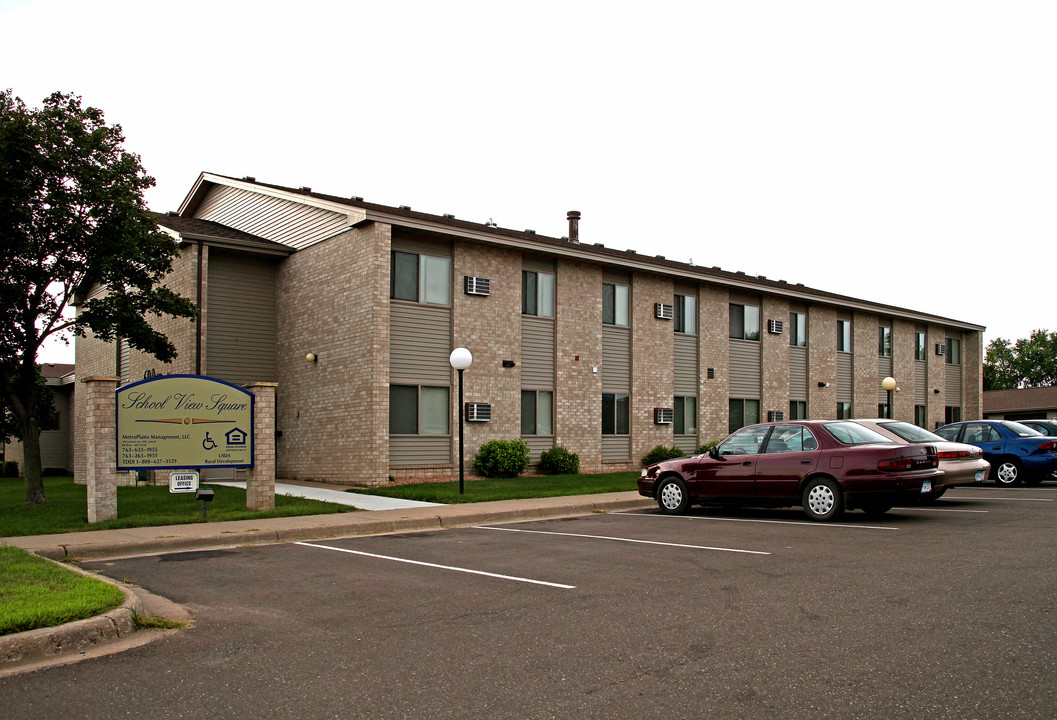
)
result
[(109, 544), (314, 491)]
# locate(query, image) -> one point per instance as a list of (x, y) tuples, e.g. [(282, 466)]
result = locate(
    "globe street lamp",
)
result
[(460, 359), (889, 385)]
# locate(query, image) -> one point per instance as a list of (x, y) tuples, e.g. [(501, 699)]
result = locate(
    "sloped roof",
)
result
[(195, 229)]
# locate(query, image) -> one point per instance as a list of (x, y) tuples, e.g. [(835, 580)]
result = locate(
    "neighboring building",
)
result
[(56, 446), (606, 352), (1023, 404)]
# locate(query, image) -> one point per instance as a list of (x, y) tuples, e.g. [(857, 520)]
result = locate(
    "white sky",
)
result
[(898, 152)]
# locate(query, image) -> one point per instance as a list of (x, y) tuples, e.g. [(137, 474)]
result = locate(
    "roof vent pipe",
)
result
[(574, 226)]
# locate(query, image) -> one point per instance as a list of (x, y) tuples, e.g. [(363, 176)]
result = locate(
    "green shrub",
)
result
[(705, 447), (660, 454), (559, 461), (11, 468), (501, 458)]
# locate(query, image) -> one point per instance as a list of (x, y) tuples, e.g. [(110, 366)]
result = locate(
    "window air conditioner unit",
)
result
[(775, 416), (478, 285), (478, 412), (664, 311), (663, 416), (775, 327), (941, 349)]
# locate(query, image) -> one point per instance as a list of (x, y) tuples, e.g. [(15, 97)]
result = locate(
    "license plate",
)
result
[(926, 486), (980, 475)]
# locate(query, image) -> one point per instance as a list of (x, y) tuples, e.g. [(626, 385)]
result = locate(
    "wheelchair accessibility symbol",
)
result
[(208, 443)]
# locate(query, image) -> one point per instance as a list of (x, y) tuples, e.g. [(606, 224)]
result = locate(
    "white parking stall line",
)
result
[(923, 508), (751, 520), (998, 499), (439, 567), (627, 540)]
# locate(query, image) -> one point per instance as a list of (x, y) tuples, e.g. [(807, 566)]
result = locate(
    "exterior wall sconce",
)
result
[(311, 358), (508, 363), (823, 384)]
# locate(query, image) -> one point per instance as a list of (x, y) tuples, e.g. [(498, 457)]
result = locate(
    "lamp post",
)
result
[(460, 359), (889, 384)]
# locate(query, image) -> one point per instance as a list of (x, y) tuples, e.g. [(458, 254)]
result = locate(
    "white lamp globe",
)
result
[(461, 358)]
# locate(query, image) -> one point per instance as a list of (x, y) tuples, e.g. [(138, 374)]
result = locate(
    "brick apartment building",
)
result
[(608, 353)]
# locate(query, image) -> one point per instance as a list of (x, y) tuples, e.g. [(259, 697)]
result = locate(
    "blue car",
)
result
[(1017, 453)]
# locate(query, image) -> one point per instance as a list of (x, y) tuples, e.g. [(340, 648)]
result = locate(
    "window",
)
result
[(418, 410), (420, 278), (843, 411), (882, 411), (745, 442), (798, 410), (616, 414), (790, 438), (685, 416), (884, 341), (615, 304), (685, 314), (952, 414), (920, 344), (954, 352), (844, 336), (797, 329), (741, 413), (537, 293), (537, 412), (744, 322), (920, 418), (980, 433)]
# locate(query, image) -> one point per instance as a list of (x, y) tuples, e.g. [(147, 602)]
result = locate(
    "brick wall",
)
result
[(937, 372), (652, 371), (775, 369), (865, 381), (903, 364), (490, 328), (973, 376), (714, 330), (578, 386), (822, 362), (333, 301)]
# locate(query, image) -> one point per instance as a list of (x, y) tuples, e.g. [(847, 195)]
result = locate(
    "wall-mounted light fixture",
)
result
[(508, 363), (823, 384), (311, 357), (936, 391)]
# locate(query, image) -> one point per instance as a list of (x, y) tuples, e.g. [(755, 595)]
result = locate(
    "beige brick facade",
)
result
[(775, 369), (652, 371), (714, 329)]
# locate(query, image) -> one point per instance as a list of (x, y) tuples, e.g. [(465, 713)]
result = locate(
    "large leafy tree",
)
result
[(72, 215), (1029, 362)]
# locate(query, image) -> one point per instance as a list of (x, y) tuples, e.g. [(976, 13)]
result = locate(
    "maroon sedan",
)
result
[(826, 466)]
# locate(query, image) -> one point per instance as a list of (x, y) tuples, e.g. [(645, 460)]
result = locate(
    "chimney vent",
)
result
[(574, 225)]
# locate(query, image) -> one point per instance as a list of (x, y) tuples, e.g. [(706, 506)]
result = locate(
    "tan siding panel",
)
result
[(685, 352), (276, 219), (419, 450), (884, 369), (798, 373), (845, 362), (537, 353), (616, 359), (953, 385), (420, 345), (745, 369), (921, 383), (537, 444), (686, 443), (240, 317), (616, 448)]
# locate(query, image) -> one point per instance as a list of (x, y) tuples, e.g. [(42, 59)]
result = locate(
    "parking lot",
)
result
[(944, 610)]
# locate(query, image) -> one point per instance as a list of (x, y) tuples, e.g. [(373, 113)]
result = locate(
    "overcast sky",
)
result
[(898, 152)]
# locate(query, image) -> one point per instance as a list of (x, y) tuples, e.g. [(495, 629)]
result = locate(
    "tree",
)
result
[(72, 216), (1030, 362)]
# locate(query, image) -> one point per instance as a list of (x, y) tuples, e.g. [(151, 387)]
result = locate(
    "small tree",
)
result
[(72, 215), (1030, 362)]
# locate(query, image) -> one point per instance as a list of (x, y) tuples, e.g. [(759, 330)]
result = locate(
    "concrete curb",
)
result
[(34, 646)]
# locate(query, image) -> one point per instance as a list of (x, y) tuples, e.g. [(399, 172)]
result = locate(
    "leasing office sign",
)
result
[(183, 421)]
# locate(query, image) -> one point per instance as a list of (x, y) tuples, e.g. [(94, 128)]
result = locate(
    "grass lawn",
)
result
[(36, 593), (67, 507), (510, 488)]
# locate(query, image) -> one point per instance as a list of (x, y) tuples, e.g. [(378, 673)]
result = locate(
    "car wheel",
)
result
[(823, 499), (672, 497), (876, 509), (1008, 473)]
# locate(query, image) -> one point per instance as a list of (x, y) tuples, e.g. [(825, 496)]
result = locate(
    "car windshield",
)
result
[(1021, 430), (849, 433), (910, 433)]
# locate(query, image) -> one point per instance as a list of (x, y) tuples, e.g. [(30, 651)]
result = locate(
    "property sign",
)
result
[(183, 481), (183, 421)]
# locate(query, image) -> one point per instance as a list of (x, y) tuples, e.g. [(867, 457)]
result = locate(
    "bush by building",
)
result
[(559, 461), (501, 458)]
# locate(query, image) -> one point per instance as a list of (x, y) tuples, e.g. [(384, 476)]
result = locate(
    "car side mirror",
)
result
[(713, 452)]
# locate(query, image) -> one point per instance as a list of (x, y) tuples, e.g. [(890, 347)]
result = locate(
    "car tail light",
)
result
[(896, 464), (1049, 445), (956, 454)]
